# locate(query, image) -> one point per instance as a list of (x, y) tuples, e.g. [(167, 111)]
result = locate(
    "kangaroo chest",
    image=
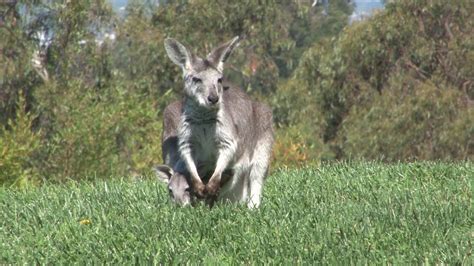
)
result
[(206, 141), (203, 140)]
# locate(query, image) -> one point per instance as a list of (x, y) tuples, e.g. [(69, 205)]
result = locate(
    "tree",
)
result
[(389, 86)]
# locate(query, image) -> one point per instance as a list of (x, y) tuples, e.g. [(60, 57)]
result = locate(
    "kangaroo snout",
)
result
[(213, 98)]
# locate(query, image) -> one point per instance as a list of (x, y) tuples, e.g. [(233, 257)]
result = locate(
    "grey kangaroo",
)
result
[(216, 141)]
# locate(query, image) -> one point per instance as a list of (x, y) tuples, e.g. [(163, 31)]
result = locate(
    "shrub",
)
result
[(411, 120), (18, 147), (295, 146), (396, 86), (112, 132)]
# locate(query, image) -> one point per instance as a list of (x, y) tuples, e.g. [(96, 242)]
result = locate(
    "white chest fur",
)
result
[(203, 143), (207, 142)]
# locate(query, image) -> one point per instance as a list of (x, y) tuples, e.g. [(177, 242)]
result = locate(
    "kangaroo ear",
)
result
[(164, 172), (178, 53), (220, 54)]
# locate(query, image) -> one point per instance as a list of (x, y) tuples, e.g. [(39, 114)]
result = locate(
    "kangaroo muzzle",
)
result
[(213, 98)]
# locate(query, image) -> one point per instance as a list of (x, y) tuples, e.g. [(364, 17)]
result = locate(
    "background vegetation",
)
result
[(396, 86)]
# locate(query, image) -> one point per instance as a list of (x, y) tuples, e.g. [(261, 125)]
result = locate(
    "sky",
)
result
[(367, 5), (117, 4)]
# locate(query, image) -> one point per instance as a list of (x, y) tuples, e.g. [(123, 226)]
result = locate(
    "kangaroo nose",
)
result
[(213, 99)]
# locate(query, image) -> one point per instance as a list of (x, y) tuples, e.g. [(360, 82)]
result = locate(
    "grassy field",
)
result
[(335, 213)]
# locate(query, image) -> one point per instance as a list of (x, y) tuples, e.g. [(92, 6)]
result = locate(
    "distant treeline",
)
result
[(397, 86)]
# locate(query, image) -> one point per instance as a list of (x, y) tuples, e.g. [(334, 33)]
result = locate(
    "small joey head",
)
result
[(178, 187), (202, 77)]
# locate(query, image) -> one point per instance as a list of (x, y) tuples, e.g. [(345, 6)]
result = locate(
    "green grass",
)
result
[(336, 213)]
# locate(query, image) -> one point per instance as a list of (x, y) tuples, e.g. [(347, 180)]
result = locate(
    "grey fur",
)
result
[(216, 137), (178, 187)]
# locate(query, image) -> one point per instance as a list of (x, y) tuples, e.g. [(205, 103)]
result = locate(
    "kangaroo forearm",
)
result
[(223, 161), (185, 152), (191, 166), (196, 181)]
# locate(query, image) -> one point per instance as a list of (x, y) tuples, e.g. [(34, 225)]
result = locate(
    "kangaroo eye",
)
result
[(219, 80), (197, 80), (188, 189)]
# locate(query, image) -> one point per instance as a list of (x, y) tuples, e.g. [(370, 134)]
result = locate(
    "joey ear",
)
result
[(178, 53), (164, 172), (219, 55)]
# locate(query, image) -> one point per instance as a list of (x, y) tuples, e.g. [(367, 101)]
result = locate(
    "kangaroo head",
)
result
[(202, 77), (178, 187)]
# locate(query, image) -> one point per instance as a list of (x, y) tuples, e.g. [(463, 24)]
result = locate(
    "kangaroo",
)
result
[(216, 137), (178, 187)]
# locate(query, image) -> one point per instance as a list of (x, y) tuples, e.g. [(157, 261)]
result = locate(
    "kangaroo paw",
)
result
[(199, 189), (212, 189)]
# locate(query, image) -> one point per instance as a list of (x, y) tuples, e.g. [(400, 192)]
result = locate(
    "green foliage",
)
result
[(99, 104), (111, 132), (140, 60), (295, 145), (95, 120), (397, 86), (274, 34), (359, 213), (76, 22), (418, 120), (16, 76), (18, 146)]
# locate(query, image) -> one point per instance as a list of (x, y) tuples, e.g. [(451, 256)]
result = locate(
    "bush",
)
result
[(295, 146), (396, 86), (18, 147), (410, 121), (112, 132)]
